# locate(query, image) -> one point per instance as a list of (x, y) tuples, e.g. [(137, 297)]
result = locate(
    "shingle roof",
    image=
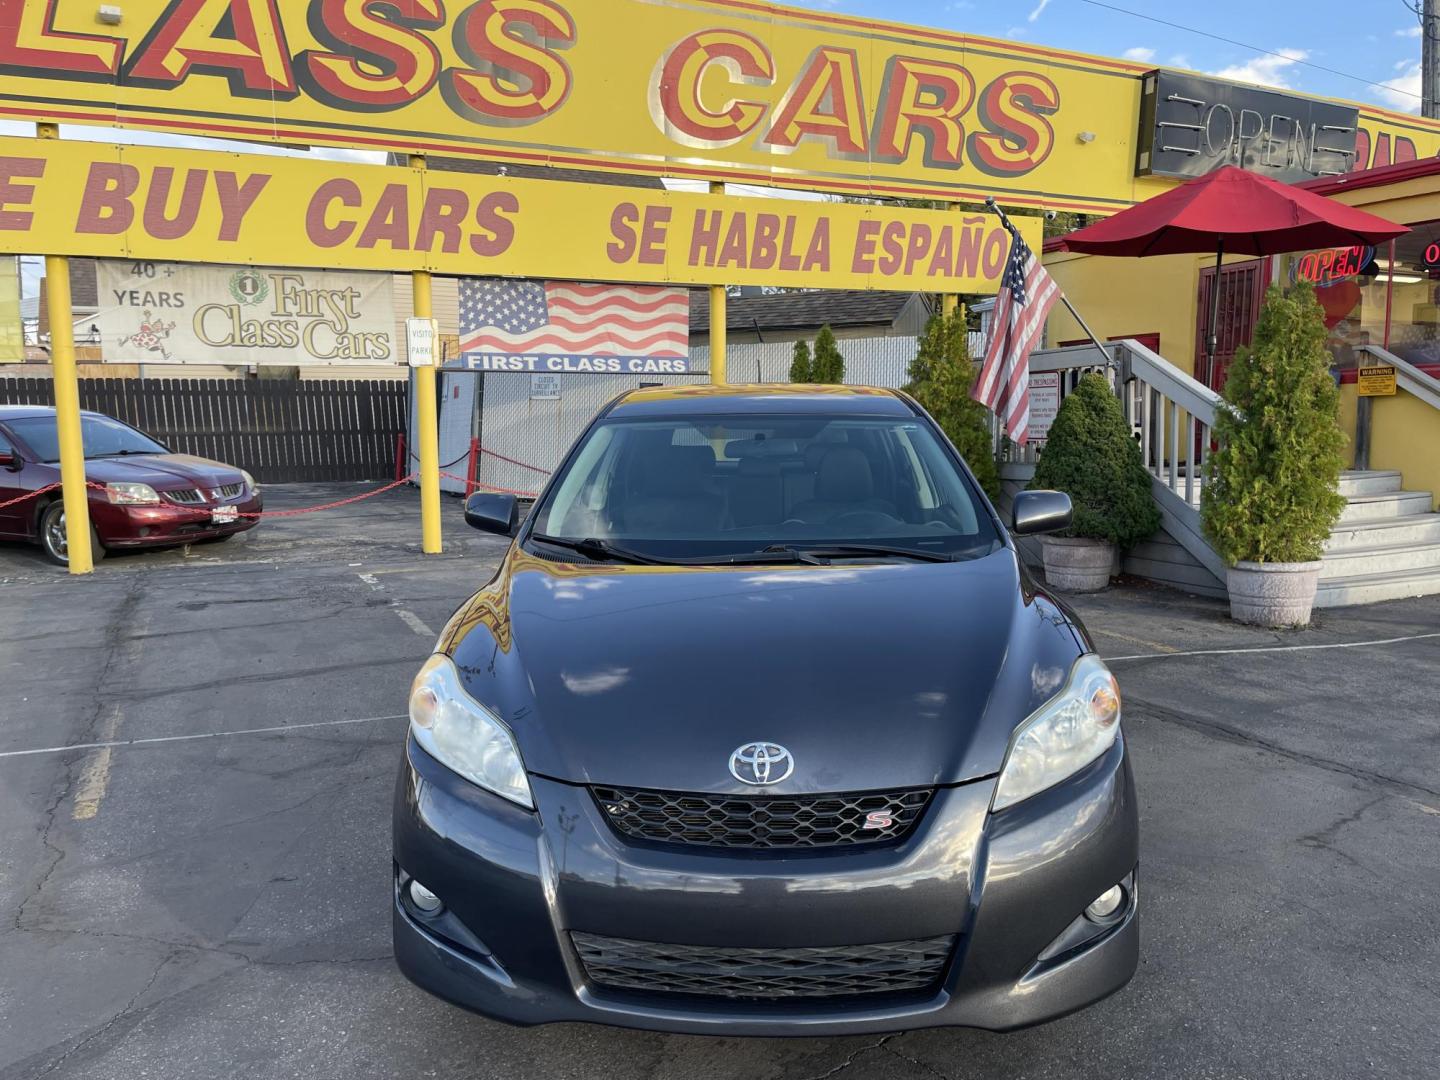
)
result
[(801, 310), (542, 172)]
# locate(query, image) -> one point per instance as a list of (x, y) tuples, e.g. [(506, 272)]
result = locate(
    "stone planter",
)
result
[(1272, 594), (1075, 565)]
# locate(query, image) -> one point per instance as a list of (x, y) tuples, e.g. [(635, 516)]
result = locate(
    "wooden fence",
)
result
[(280, 430)]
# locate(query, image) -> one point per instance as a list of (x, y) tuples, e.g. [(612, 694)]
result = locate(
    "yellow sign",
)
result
[(729, 90), (1375, 382), (162, 204)]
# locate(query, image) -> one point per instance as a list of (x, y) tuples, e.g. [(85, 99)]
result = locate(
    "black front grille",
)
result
[(229, 491), (761, 821), (894, 967), (185, 496)]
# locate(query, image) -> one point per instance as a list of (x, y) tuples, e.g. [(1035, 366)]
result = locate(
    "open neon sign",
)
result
[(1332, 264)]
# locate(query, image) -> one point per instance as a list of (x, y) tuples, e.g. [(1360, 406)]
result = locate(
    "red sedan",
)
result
[(141, 495)]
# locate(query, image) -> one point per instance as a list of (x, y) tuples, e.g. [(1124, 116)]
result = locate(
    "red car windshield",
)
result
[(101, 436)]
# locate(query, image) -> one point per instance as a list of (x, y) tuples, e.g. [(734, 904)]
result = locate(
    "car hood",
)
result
[(164, 472), (872, 676)]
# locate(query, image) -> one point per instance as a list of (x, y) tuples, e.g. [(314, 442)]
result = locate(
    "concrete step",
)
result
[(1387, 504), (1410, 529), (1381, 559), (1372, 588), (1369, 482)]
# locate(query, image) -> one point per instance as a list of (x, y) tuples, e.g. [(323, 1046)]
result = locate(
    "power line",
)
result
[(1253, 48)]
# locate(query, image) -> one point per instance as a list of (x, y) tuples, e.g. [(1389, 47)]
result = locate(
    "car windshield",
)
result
[(101, 436), (721, 487)]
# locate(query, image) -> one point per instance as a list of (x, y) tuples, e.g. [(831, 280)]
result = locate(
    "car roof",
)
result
[(15, 412), (705, 399)]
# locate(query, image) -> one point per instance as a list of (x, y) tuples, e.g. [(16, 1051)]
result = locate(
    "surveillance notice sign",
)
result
[(188, 313)]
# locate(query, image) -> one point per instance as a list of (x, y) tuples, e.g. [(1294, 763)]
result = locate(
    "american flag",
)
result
[(1027, 293), (566, 318)]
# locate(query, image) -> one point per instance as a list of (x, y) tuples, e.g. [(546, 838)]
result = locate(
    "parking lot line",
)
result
[(1272, 648), (276, 729)]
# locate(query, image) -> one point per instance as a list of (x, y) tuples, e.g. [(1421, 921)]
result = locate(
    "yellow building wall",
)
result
[(1404, 435), (1129, 297)]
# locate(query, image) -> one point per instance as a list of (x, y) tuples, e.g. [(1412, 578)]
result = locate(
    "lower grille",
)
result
[(764, 974), (762, 821), (229, 491)]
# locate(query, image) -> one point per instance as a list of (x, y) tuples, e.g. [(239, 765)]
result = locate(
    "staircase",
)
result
[(1386, 545)]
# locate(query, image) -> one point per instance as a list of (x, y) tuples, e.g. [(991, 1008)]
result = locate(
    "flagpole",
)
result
[(994, 208)]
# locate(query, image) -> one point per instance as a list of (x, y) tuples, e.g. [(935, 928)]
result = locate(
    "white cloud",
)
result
[(1039, 10), (1403, 91), (1268, 70), (1179, 60), (1409, 31), (1016, 32), (1140, 53)]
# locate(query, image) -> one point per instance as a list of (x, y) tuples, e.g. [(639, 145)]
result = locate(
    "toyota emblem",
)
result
[(761, 763)]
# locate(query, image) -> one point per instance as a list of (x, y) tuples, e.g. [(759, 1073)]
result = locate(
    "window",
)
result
[(101, 437), (694, 487)]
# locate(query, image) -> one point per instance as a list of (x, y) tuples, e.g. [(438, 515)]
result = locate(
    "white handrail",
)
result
[(1189, 393), (1407, 376)]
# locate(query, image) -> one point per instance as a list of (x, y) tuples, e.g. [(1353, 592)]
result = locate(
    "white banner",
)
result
[(189, 313)]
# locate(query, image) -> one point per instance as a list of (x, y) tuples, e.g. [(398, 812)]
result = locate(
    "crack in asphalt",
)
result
[(276, 676), (112, 642), (851, 1058), (1216, 729), (889, 1048)]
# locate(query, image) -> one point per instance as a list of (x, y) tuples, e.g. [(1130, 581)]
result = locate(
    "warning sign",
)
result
[(1375, 382)]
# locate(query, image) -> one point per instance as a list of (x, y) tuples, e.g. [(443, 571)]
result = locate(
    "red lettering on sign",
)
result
[(105, 207), (1017, 135), (236, 200), (15, 194), (317, 227), (243, 40), (30, 45), (684, 67), (389, 221), (498, 231), (162, 226), (516, 75), (925, 98), (378, 59), (825, 103), (442, 215)]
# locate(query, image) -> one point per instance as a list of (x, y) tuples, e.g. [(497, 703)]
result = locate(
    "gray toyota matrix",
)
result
[(762, 728)]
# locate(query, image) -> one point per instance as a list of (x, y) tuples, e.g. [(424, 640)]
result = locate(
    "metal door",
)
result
[(1242, 290)]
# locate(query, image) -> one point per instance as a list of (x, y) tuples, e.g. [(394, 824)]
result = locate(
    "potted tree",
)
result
[(1091, 456), (1271, 491)]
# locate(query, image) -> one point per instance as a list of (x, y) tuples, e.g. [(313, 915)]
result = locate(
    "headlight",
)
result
[(250, 481), (463, 735), (1064, 735), (131, 494)]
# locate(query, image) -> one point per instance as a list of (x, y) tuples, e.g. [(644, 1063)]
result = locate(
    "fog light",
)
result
[(1106, 904), (424, 899)]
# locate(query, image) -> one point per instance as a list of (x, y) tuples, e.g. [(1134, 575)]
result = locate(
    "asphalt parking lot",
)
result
[(211, 897)]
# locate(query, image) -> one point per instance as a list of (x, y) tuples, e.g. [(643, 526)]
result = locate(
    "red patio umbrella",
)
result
[(1230, 210)]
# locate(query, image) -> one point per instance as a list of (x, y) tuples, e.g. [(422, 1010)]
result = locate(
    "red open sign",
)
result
[(1333, 264)]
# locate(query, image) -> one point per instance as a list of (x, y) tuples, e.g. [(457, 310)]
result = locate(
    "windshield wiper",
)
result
[(601, 549), (818, 552), (118, 453)]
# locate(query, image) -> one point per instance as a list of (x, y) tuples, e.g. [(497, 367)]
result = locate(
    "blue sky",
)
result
[(1376, 40)]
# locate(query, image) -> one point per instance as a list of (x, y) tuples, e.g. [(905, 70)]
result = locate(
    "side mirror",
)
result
[(7, 460), (492, 512), (1035, 512)]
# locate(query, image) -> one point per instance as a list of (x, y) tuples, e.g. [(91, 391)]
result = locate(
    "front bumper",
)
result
[(122, 526), (1011, 887)]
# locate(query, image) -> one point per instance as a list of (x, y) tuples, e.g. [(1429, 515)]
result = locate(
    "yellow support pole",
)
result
[(717, 318), (67, 403), (428, 433)]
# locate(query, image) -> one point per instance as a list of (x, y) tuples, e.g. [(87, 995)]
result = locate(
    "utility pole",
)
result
[(1426, 11)]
